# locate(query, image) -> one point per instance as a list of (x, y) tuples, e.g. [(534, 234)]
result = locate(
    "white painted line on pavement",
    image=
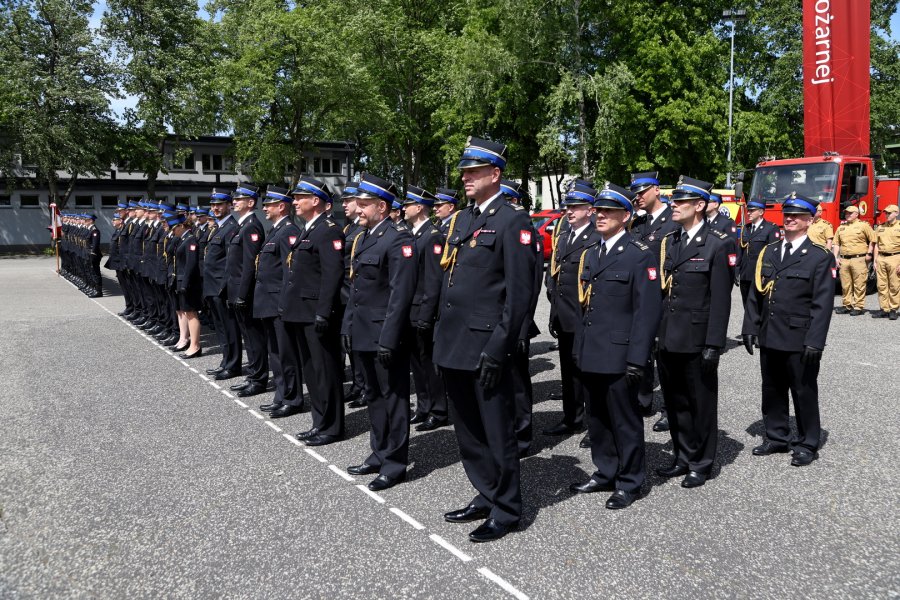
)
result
[(239, 403), (293, 440), (184, 363), (273, 426), (502, 583), (169, 353), (344, 476), (193, 369), (315, 455), (227, 394), (407, 518), (204, 377), (256, 414), (215, 385), (450, 547), (373, 495)]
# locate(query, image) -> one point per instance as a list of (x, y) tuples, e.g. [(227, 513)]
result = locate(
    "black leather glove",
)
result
[(240, 304), (551, 327), (811, 356), (633, 375), (522, 347), (385, 356), (709, 359), (488, 371), (321, 325), (749, 342), (346, 343)]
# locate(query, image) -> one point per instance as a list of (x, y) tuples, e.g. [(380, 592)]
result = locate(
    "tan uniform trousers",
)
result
[(854, 272), (888, 282)]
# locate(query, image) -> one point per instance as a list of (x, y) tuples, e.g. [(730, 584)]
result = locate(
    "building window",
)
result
[(30, 201), (84, 201), (109, 201), (213, 163), (186, 200), (327, 166), (5, 201), (174, 162)]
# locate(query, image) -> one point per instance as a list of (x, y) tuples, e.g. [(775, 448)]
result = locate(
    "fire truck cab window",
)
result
[(848, 181), (773, 184)]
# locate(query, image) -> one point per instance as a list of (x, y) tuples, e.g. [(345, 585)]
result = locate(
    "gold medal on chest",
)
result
[(473, 243)]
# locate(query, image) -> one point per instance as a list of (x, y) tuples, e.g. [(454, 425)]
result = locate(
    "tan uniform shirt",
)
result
[(854, 238), (820, 232), (887, 237)]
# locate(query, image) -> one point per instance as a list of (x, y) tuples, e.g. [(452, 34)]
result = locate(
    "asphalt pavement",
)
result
[(126, 474)]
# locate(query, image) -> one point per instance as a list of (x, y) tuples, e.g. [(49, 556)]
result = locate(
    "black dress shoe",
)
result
[(491, 530), (321, 439), (673, 471), (767, 448), (856, 312), (170, 341), (196, 354), (562, 429), (879, 314), (418, 418), (585, 442), (383, 482), (693, 479), (156, 330), (181, 348), (590, 486), (251, 390), (841, 310), (892, 315), (469, 513), (214, 371), (432, 423), (351, 395), (555, 396), (662, 424), (270, 407), (225, 374), (239, 386), (285, 410), (363, 469), (802, 457), (621, 499), (305, 435), (359, 402)]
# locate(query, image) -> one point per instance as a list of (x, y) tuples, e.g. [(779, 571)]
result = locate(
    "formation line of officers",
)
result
[(637, 288)]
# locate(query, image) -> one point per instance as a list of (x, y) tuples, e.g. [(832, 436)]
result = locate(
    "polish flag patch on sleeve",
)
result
[(732, 260), (193, 247), (834, 273), (437, 249), (652, 274), (777, 235), (254, 237), (292, 239), (733, 229), (407, 251), (525, 237), (337, 244)]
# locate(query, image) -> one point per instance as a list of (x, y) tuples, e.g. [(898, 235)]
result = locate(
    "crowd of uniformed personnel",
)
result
[(640, 290), (79, 252)]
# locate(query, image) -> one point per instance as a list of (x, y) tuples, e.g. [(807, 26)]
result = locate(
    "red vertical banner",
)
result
[(836, 76)]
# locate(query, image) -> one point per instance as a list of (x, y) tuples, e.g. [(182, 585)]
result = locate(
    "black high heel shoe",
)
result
[(187, 345), (199, 352)]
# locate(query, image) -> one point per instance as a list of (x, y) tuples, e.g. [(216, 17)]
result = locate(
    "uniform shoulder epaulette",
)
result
[(400, 227), (719, 234), (434, 230), (670, 233), (640, 244), (778, 241), (821, 247), (515, 206), (331, 223)]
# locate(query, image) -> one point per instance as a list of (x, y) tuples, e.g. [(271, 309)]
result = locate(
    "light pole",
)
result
[(734, 16)]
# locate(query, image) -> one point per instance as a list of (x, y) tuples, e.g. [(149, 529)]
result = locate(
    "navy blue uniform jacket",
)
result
[(316, 274), (214, 263), (271, 268), (240, 260)]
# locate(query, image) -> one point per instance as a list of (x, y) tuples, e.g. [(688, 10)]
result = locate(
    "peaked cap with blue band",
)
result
[(446, 196), (371, 186), (174, 220), (350, 190), (166, 207), (219, 196), (756, 204), (275, 195), (614, 196), (481, 153), (121, 204), (310, 185), (794, 205), (245, 190), (395, 205), (513, 189), (580, 192), (417, 195), (714, 197), (643, 181), (689, 188), (182, 207)]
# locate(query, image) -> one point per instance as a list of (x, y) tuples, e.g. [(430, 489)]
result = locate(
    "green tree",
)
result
[(54, 107)]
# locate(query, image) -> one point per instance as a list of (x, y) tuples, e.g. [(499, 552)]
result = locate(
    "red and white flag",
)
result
[(55, 222)]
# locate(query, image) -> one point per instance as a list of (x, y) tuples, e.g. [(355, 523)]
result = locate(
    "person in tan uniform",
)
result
[(887, 264), (821, 232), (851, 248)]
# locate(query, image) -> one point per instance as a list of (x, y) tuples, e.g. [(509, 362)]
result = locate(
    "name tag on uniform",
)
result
[(697, 259)]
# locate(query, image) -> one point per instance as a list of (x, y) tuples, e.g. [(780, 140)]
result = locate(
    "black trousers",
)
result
[(484, 424), (616, 430), (783, 372), (172, 305), (254, 335), (524, 398), (746, 286), (388, 411), (291, 364), (573, 397), (275, 332), (692, 399), (95, 273), (322, 369), (228, 332), (431, 397)]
